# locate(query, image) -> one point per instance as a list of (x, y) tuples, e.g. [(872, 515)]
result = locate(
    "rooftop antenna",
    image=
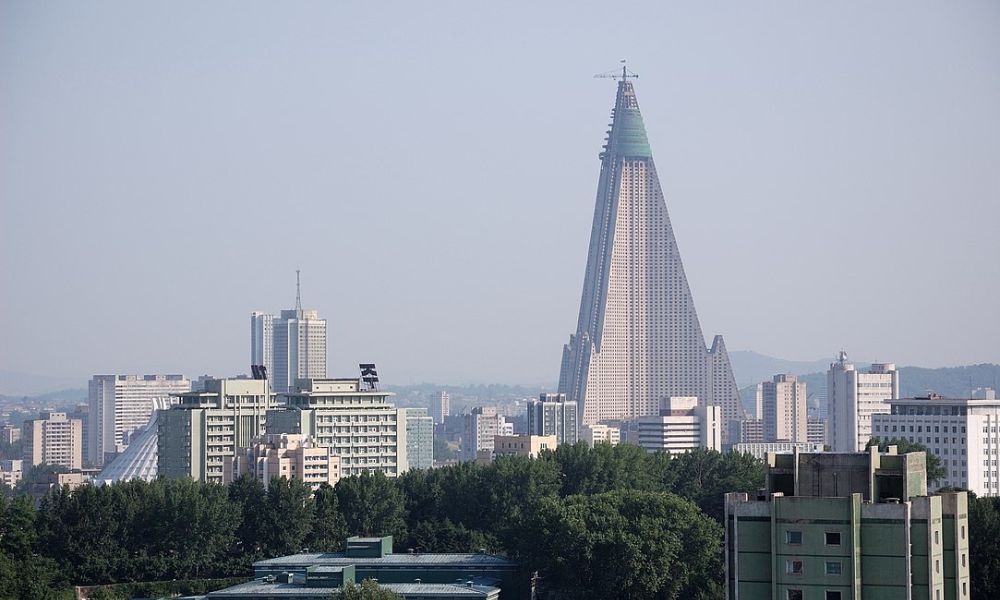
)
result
[(625, 73), (298, 292)]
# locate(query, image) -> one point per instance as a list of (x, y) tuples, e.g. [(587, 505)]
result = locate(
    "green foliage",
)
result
[(366, 590), (329, 529), (376, 505), (935, 470), (984, 547), (623, 544)]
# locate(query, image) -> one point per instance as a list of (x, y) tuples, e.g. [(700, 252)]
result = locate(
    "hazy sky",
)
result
[(832, 170)]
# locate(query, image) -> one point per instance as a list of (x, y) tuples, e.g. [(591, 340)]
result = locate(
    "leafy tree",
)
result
[(248, 499), (602, 468), (366, 590), (623, 544), (705, 476), (935, 469), (984, 547), (329, 529), (287, 518), (372, 505)]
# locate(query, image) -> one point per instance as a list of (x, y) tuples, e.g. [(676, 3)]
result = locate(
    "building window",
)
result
[(834, 567), (793, 567), (832, 595), (832, 538), (794, 594), (793, 537)]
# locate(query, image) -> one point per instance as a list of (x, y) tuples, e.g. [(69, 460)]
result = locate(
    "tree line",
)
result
[(592, 522)]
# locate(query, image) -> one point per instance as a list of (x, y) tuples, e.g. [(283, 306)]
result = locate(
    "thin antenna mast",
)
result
[(298, 293), (625, 74)]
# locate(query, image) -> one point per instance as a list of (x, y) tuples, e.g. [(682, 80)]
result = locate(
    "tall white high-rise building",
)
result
[(682, 425), (481, 426), (853, 398), (298, 345), (440, 406), (638, 341), (262, 341), (783, 400), (121, 404)]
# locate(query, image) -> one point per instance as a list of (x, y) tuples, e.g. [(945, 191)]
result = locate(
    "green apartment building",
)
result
[(846, 526)]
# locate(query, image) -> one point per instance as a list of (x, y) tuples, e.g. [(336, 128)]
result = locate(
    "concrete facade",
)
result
[(963, 433), (121, 404), (523, 445), (638, 340), (783, 400), (419, 438), (481, 426), (682, 425), (299, 348), (853, 397), (199, 437), (357, 424), (847, 526), (54, 439), (288, 455), (600, 433), (553, 414)]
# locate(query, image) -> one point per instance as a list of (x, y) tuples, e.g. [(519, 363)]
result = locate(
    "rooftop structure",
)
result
[(839, 526), (682, 425), (638, 339), (412, 575)]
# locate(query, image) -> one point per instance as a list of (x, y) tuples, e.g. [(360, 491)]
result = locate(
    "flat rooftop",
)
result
[(339, 559)]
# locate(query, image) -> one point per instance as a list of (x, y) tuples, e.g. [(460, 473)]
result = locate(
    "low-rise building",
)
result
[(839, 526), (752, 431), (288, 455), (762, 449), (601, 433), (523, 445), (682, 425), (414, 576), (11, 472)]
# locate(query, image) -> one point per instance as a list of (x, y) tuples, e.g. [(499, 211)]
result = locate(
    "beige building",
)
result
[(11, 471), (481, 426), (121, 404), (682, 425), (199, 436), (288, 455), (600, 433), (357, 424), (783, 400), (10, 434), (523, 445), (53, 439)]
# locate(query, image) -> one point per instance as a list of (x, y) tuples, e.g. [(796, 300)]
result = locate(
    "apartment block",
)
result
[(552, 414), (601, 433), (53, 439), (199, 437), (419, 438), (839, 526), (784, 404), (288, 455), (853, 397), (481, 426), (121, 404), (523, 445)]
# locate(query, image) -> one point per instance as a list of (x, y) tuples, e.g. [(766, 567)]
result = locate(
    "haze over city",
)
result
[(831, 178)]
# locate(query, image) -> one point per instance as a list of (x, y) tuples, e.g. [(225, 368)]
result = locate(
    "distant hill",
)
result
[(29, 384), (750, 367)]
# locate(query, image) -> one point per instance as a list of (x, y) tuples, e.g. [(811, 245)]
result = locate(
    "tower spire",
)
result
[(298, 293)]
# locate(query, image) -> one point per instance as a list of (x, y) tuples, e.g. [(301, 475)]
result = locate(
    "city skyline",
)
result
[(869, 162)]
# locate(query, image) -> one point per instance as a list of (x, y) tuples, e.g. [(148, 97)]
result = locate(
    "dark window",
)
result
[(794, 594), (832, 538), (793, 567), (793, 537), (831, 595)]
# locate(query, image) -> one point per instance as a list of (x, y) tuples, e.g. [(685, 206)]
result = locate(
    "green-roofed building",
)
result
[(846, 526)]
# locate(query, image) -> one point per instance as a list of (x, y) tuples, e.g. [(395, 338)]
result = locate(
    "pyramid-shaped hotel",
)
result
[(638, 341)]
